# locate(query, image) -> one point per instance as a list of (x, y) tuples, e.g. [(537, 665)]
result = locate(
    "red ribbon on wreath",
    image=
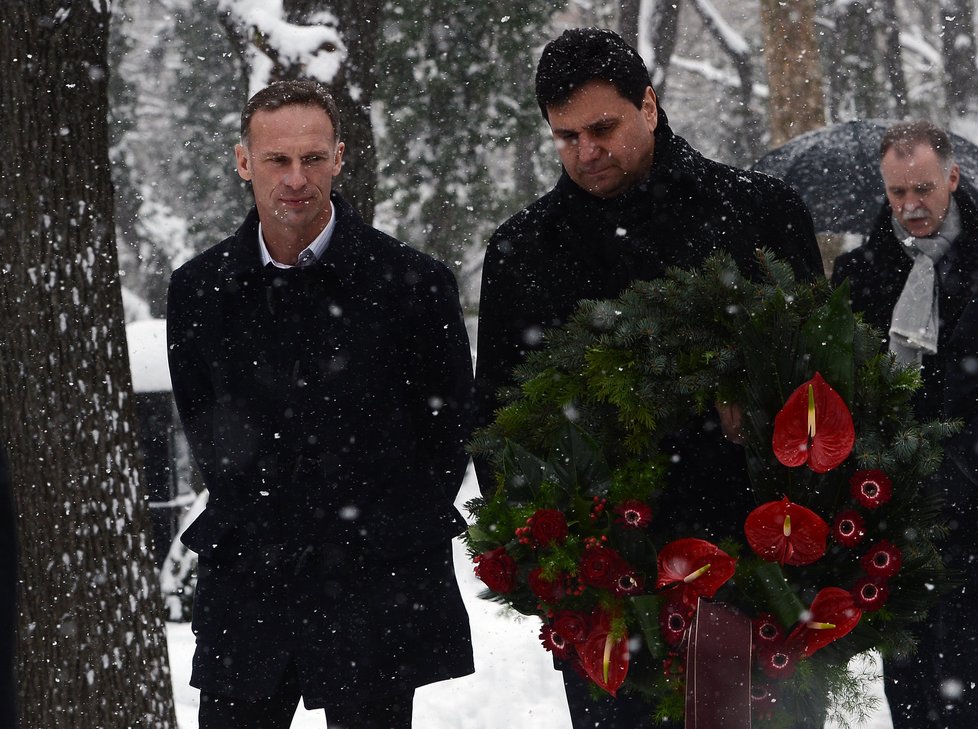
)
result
[(718, 667)]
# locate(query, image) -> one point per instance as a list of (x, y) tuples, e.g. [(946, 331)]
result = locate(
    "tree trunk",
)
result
[(796, 102), (744, 145), (898, 100), (92, 649), (958, 46), (628, 12), (663, 19), (854, 59)]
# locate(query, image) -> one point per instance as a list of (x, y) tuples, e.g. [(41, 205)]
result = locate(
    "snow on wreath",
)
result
[(587, 526)]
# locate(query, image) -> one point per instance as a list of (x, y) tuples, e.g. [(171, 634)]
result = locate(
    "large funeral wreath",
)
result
[(838, 556)]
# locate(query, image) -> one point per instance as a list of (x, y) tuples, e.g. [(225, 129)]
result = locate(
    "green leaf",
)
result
[(523, 472), (578, 462), (828, 339), (779, 595), (480, 539), (647, 611)]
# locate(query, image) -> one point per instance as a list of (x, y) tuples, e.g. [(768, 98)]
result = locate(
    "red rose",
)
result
[(548, 525), (601, 567), (497, 569), (572, 625), (547, 590)]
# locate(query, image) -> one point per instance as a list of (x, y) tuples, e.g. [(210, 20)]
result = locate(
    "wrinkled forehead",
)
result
[(291, 123), (919, 155)]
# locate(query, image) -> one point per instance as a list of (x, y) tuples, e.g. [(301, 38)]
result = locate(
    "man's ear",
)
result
[(650, 109), (243, 160), (954, 177), (338, 158)]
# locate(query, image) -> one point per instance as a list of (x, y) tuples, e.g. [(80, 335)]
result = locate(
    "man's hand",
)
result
[(731, 417)]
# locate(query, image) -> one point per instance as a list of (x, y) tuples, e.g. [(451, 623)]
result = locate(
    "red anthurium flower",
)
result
[(605, 658), (832, 615), (633, 513), (814, 427), (548, 526), (556, 643), (849, 528), (787, 533), (870, 594), (497, 569), (871, 488), (767, 630), (674, 620), (695, 566), (883, 560), (572, 625)]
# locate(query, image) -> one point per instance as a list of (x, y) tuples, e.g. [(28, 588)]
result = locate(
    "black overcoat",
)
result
[(8, 594), (876, 272), (570, 245), (326, 409)]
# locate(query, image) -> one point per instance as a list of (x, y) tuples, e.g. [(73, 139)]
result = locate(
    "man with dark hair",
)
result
[(321, 370), (634, 199), (916, 280)]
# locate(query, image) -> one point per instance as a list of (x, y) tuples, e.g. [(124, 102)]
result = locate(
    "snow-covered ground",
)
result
[(514, 684)]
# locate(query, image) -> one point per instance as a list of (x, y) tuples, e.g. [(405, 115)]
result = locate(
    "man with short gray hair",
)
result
[(916, 280)]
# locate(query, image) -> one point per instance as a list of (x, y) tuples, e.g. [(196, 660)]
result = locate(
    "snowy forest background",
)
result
[(456, 141), (117, 122)]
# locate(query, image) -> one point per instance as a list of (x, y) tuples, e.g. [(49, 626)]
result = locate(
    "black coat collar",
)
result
[(341, 261)]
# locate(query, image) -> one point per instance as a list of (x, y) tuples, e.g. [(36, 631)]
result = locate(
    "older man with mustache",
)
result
[(916, 280)]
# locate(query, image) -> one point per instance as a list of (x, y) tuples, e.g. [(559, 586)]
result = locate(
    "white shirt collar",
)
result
[(310, 253)]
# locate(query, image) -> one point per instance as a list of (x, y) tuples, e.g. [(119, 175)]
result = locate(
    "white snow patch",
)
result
[(317, 48), (147, 355)]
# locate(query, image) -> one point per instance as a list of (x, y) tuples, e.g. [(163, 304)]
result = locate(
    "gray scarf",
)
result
[(914, 326)]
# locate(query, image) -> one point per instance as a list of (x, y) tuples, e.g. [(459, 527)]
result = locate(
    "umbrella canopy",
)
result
[(836, 170)]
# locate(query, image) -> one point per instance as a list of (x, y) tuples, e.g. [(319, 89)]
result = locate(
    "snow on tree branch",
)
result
[(712, 73), (318, 47), (915, 43), (732, 41)]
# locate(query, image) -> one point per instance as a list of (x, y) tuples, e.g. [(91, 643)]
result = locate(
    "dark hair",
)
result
[(904, 136), (290, 93), (581, 55)]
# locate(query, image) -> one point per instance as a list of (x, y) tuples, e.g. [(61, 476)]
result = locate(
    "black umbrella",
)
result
[(836, 170)]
